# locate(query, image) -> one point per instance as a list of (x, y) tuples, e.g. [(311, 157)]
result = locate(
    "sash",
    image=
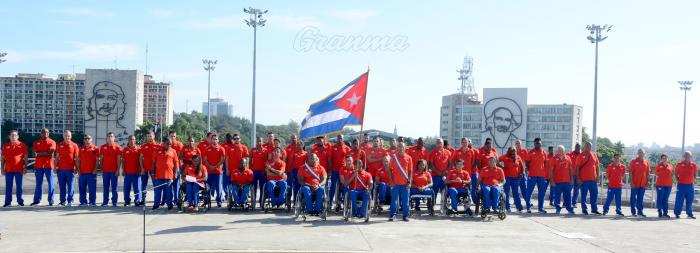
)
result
[(398, 164), (360, 181), (308, 169)]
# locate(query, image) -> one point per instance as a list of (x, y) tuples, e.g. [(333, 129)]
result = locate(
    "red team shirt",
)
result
[(67, 152), (214, 155), (88, 159), (573, 155), (363, 176), (615, 172), (640, 172), (235, 153), (309, 179), (14, 154), (484, 157), (440, 159), (338, 153), (455, 174), (537, 161), (417, 154), (258, 158), (686, 172), (110, 157), (241, 178), (130, 155), (491, 176), (375, 153), (166, 163), (148, 151), (44, 145), (382, 176), (561, 169), (664, 174), (406, 163), (511, 166), (278, 165), (468, 155), (323, 155), (420, 179), (588, 163)]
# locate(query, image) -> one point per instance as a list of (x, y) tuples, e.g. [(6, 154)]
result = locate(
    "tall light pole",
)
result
[(2, 120), (596, 37), (254, 21), (685, 87), (209, 67)]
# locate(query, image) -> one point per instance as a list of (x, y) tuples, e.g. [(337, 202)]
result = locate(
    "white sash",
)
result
[(311, 172), (398, 164), (360, 181)]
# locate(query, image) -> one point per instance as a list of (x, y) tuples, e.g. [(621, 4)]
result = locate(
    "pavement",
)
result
[(120, 229)]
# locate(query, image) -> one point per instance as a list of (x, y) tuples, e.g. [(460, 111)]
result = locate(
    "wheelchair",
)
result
[(300, 206), (465, 200), (204, 197), (500, 213), (267, 199), (347, 206), (376, 203), (428, 199), (249, 203)]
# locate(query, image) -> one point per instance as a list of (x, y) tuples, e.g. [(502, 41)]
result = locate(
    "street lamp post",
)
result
[(596, 37), (685, 87), (209, 67), (254, 21)]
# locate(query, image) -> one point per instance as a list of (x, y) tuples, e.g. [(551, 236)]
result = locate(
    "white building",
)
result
[(505, 116), (157, 101), (219, 106)]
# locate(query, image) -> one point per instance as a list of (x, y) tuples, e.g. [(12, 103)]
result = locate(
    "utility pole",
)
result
[(596, 37), (209, 67), (254, 21), (685, 87)]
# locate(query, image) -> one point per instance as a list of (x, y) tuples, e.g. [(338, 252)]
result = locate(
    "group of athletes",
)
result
[(334, 170)]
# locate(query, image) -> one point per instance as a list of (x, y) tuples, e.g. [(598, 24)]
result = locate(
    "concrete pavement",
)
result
[(119, 229)]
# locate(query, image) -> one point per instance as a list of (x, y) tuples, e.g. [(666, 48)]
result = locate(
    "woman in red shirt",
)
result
[(193, 170), (513, 169), (422, 185), (664, 183), (241, 179), (491, 179)]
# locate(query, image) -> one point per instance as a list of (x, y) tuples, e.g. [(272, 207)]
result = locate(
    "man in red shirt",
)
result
[(458, 181), (66, 155), (235, 153), (165, 166), (686, 171), (338, 153), (357, 153), (203, 144), (359, 184), (14, 166), (132, 171), (313, 180), (177, 146), (110, 162), (241, 178), (276, 178), (576, 186), (44, 149), (418, 151), (214, 157), (491, 179), (365, 145), (439, 163), (536, 167), (561, 176), (297, 158), (87, 162), (146, 158), (588, 172), (522, 153), (615, 173), (513, 168), (375, 156), (258, 158), (547, 175), (400, 174), (291, 148), (270, 143), (639, 175), (323, 151)]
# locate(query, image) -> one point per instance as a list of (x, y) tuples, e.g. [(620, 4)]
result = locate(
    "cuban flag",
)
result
[(345, 107)]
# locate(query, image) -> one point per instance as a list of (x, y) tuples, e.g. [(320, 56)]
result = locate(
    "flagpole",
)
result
[(362, 125)]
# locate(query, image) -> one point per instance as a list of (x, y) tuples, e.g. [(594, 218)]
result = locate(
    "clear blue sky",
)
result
[(540, 45)]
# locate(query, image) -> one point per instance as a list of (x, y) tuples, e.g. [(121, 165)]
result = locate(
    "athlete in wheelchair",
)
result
[(491, 179), (275, 192), (457, 190), (421, 188), (359, 183), (197, 191), (239, 190), (381, 195), (312, 195)]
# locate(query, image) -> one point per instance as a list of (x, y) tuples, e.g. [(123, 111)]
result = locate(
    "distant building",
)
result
[(35, 101), (219, 106), (157, 101), (505, 116)]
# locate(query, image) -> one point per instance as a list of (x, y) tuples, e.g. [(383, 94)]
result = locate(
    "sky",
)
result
[(540, 45)]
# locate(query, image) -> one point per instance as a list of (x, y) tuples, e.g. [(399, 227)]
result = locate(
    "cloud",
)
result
[(354, 15), (79, 11), (161, 13), (284, 22), (80, 51), (293, 22)]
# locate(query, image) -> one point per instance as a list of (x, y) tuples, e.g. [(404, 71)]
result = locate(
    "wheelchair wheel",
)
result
[(477, 202), (206, 199), (299, 207), (265, 205), (324, 210), (229, 200), (482, 205), (446, 202), (347, 207), (375, 200), (181, 198), (253, 197), (368, 212), (502, 207), (288, 198)]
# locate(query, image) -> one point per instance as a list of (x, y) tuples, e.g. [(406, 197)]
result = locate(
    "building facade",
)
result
[(505, 117), (157, 101), (219, 106), (35, 101)]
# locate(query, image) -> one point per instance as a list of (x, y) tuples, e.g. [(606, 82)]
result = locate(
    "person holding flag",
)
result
[(359, 186)]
